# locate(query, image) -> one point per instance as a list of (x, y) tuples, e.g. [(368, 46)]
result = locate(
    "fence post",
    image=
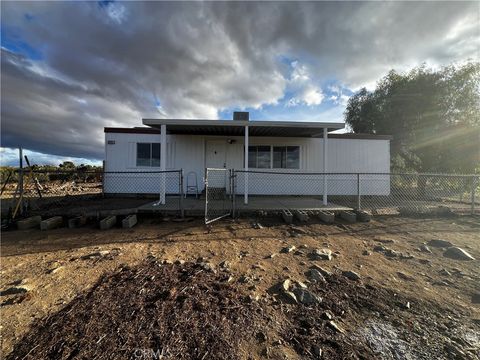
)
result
[(359, 205), (472, 196), (180, 182), (20, 179), (234, 193), (103, 178)]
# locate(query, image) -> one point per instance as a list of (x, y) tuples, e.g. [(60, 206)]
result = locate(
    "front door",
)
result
[(216, 154), (216, 158)]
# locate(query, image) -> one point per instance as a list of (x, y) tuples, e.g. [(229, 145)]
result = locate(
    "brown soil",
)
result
[(442, 321)]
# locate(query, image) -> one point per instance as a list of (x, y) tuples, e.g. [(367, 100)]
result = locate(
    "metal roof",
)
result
[(237, 127)]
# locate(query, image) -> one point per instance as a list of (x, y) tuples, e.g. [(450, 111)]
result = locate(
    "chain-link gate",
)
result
[(217, 194)]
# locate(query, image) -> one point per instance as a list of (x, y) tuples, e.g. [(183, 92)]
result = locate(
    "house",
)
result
[(270, 157)]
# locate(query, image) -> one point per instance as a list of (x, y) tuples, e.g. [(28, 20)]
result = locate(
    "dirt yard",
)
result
[(381, 289)]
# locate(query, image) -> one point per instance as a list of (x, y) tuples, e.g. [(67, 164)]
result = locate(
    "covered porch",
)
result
[(241, 135)]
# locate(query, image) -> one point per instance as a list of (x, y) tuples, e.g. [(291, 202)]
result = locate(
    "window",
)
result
[(259, 157), (276, 157), (148, 154), (286, 157)]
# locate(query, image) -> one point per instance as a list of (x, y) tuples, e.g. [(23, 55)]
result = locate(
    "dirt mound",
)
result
[(151, 311)]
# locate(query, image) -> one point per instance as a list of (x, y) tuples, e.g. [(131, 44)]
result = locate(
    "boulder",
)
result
[(322, 271), (352, 275), (306, 297), (440, 243), (322, 254), (315, 276), (424, 248), (457, 253)]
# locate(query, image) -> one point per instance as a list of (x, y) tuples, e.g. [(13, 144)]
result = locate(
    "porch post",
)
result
[(163, 161), (325, 167), (245, 167)]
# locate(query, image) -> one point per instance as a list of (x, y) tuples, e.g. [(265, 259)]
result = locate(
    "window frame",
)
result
[(271, 166), (151, 158)]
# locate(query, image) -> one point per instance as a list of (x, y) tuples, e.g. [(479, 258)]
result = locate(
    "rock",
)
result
[(404, 276), (322, 271), (285, 285), (224, 264), (352, 275), (317, 351), (288, 297), (445, 272), (96, 254), (15, 290), (271, 256), (333, 325), (323, 254), (306, 297), (440, 243), (288, 249), (300, 284), (55, 270), (366, 253), (424, 261), (261, 336), (406, 256), (379, 248), (424, 248), (298, 230), (179, 262), (327, 315), (457, 254), (207, 266), (391, 253), (315, 276), (385, 241)]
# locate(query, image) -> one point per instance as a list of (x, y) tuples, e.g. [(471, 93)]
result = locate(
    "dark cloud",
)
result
[(104, 65)]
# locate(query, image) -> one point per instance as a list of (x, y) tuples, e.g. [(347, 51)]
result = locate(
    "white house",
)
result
[(264, 148)]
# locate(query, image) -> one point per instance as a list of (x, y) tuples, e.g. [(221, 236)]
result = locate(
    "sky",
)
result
[(69, 69)]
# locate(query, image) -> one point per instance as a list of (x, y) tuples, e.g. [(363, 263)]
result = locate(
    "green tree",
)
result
[(433, 116)]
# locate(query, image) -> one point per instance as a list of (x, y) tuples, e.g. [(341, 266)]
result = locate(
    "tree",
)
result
[(433, 116)]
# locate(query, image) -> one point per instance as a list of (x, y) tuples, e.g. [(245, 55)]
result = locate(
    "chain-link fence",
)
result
[(21, 190), (218, 201), (377, 192)]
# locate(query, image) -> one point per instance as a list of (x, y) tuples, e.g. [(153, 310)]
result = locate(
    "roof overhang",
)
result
[(237, 127)]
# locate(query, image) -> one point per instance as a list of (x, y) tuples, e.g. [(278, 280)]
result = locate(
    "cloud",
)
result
[(303, 87), (74, 67)]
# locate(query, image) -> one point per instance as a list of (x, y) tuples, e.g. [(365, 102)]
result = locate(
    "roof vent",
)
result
[(241, 115)]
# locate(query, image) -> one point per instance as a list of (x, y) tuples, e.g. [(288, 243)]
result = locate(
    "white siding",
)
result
[(187, 152)]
